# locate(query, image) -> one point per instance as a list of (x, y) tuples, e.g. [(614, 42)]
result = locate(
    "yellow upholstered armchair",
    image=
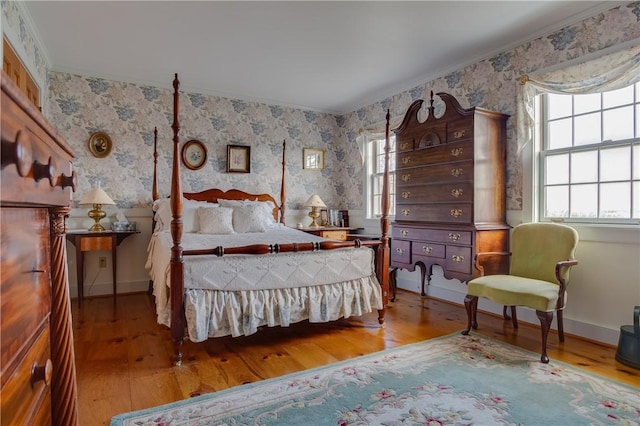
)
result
[(542, 255)]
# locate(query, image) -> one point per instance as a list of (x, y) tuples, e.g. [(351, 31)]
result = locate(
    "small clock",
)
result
[(194, 154)]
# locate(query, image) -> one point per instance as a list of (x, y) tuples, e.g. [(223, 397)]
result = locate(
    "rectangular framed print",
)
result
[(313, 159), (238, 159)]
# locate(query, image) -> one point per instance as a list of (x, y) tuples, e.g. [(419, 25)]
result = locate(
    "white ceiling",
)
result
[(326, 56)]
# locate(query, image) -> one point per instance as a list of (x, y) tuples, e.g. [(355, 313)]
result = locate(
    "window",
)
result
[(375, 175), (590, 157)]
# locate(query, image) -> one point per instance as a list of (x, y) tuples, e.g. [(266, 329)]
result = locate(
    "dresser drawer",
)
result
[(459, 130), (401, 251), (445, 212), (426, 249), (451, 192), (459, 259), (457, 151), (335, 235), (446, 236), (457, 171), (20, 399), (25, 295)]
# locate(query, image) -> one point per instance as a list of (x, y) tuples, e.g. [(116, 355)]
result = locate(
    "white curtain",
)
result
[(375, 132), (609, 71)]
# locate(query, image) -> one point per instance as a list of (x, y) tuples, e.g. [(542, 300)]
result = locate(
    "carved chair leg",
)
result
[(514, 317), (545, 322), (471, 305), (505, 313), (560, 326)]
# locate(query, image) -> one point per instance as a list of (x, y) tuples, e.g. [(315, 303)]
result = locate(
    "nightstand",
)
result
[(95, 241), (332, 233)]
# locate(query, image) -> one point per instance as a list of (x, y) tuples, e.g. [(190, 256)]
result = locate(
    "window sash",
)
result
[(584, 178), (376, 176)]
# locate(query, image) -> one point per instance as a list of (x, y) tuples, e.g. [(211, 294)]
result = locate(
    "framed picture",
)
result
[(194, 154), (238, 159), (313, 159)]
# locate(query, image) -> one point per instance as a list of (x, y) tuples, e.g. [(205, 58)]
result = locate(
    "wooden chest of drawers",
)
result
[(38, 383), (450, 190)]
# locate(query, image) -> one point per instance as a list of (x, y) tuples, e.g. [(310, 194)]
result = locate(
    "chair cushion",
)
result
[(510, 290)]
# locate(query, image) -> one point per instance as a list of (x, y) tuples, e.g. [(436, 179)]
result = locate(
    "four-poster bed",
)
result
[(217, 271)]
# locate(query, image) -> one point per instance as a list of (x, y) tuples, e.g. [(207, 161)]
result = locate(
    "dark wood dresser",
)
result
[(37, 361), (450, 190)]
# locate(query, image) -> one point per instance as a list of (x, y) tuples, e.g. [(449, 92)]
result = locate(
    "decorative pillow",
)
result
[(249, 218), (163, 215), (266, 207), (217, 220)]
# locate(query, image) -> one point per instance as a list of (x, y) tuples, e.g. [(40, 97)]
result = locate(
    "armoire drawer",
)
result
[(457, 151), (25, 296), (435, 212), (401, 251), (426, 249), (444, 192), (459, 259), (26, 392), (458, 171)]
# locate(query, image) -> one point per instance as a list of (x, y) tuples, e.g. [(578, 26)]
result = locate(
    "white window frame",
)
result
[(371, 154), (542, 152)]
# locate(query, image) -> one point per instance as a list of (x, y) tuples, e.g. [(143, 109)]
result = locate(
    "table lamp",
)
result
[(316, 204), (97, 197)]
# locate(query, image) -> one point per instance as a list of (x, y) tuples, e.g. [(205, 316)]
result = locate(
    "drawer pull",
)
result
[(457, 259), (406, 178), (456, 212), (458, 134), (400, 251), (404, 232), (404, 145), (41, 373), (456, 152), (71, 181), (18, 153), (456, 172), (406, 194), (406, 160), (427, 249), (454, 237), (38, 271), (406, 212), (456, 192), (45, 171)]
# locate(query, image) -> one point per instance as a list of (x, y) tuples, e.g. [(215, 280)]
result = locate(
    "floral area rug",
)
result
[(457, 380)]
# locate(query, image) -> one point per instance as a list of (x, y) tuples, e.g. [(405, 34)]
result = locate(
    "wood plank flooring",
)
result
[(123, 357)]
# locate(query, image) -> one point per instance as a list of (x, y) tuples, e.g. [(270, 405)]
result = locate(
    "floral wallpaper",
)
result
[(80, 105)]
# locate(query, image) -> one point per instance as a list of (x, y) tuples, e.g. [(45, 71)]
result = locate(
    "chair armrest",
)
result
[(476, 258), (562, 287)]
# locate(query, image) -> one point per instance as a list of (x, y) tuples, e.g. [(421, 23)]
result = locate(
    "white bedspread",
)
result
[(237, 294)]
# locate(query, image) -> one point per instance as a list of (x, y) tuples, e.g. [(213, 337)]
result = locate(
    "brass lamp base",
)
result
[(96, 214), (314, 214)]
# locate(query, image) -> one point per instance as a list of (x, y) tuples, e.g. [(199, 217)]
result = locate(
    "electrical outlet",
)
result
[(102, 262)]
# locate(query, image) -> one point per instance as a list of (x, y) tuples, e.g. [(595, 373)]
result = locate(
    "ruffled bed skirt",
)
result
[(216, 313)]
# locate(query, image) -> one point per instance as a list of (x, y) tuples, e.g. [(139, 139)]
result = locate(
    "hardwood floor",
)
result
[(123, 356)]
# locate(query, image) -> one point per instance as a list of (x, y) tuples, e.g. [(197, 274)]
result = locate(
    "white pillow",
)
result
[(163, 216), (266, 207), (217, 220), (249, 218)]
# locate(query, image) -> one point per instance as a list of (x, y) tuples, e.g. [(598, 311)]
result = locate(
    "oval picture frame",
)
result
[(194, 154), (100, 144)]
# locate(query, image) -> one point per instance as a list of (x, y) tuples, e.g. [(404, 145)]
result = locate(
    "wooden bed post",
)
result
[(177, 261), (283, 196), (155, 194), (384, 252)]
